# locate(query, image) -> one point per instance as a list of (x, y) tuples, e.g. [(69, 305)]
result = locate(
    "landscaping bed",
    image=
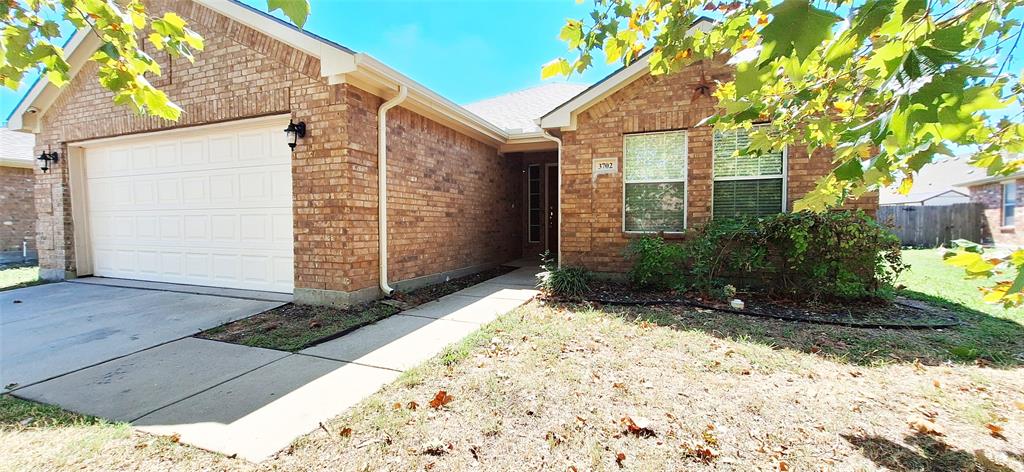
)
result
[(900, 313), (292, 327)]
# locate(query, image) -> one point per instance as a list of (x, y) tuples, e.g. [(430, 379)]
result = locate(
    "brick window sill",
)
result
[(1007, 229)]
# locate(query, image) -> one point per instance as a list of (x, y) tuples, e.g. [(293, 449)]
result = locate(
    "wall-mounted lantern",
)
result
[(46, 158), (294, 131)]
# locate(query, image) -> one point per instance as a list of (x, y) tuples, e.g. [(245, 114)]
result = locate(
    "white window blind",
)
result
[(746, 185), (654, 168)]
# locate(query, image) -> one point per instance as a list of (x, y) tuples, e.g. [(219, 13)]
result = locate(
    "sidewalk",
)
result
[(253, 402)]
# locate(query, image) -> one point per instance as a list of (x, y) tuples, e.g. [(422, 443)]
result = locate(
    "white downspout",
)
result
[(382, 185), (558, 248)]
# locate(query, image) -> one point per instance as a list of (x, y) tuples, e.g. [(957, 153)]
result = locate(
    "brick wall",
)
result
[(18, 215), (457, 183), (592, 208), (451, 199), (991, 198)]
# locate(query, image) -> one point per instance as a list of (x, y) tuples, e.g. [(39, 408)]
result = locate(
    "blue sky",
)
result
[(465, 50)]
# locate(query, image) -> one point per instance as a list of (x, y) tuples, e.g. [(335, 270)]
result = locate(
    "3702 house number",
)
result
[(606, 165)]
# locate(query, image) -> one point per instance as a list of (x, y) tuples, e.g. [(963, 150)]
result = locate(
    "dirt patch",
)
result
[(895, 314), (293, 327)]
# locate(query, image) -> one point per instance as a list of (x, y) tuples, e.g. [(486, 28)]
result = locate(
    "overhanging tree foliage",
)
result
[(30, 27), (886, 84)]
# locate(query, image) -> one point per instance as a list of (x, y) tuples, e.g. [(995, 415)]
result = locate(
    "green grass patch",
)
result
[(16, 413), (18, 277), (989, 331)]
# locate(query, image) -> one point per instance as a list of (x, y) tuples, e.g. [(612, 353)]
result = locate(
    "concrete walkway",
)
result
[(253, 402), (51, 330)]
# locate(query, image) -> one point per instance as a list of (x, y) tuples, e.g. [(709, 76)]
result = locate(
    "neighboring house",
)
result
[(17, 197), (937, 183), (1000, 196), (219, 199)]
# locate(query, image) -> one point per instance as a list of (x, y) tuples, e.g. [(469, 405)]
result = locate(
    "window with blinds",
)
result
[(746, 185), (654, 171)]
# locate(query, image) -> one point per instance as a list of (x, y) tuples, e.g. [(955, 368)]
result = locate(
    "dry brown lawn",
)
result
[(583, 388)]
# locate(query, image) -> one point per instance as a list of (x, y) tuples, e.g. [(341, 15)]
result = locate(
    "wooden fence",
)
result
[(932, 226)]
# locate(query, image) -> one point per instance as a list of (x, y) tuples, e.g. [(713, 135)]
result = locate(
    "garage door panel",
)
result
[(206, 208)]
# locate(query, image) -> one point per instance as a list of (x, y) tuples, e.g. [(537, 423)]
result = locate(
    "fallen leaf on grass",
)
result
[(640, 426), (175, 438), (783, 466), (441, 399), (1019, 405), (314, 324), (412, 405), (926, 426), (995, 430), (702, 454), (346, 433), (396, 406), (619, 458)]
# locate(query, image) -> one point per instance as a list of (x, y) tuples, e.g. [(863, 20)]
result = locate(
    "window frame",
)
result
[(1002, 207), (685, 180), (784, 175), (529, 204)]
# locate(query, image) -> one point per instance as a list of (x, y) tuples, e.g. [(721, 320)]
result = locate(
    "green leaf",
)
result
[(850, 170), (295, 10), (572, 33), (1018, 282), (750, 77), (558, 66), (796, 26)]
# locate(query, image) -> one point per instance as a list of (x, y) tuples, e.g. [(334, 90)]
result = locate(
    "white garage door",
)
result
[(204, 206)]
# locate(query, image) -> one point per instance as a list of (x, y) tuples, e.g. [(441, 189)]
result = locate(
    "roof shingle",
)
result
[(515, 112)]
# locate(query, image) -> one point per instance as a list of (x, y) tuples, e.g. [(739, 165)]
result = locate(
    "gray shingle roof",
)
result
[(514, 112), (15, 145), (940, 176)]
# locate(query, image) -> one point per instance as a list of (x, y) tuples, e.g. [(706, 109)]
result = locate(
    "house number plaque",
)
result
[(606, 165)]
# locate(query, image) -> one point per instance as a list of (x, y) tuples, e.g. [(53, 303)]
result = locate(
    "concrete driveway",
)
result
[(51, 330)]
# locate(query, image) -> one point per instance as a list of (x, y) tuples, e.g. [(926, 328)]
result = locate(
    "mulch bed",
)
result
[(898, 314), (293, 327)]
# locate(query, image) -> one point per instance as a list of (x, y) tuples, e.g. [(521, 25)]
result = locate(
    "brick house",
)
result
[(999, 197), (17, 201), (219, 199)]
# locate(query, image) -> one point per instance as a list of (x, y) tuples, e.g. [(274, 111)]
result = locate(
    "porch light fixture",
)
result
[(294, 131), (46, 158)]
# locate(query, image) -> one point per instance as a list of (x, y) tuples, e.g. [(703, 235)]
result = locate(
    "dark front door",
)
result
[(551, 213)]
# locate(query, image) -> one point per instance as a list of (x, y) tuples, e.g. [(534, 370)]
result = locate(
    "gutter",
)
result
[(558, 248), (382, 184)]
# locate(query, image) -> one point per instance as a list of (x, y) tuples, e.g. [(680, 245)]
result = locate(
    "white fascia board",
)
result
[(13, 162), (525, 142), (564, 117), (334, 58), (377, 77), (76, 52)]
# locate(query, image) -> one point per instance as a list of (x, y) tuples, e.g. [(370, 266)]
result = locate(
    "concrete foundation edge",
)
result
[(338, 298)]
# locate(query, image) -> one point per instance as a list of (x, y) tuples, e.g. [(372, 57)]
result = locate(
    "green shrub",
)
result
[(656, 263), (844, 254), (565, 281)]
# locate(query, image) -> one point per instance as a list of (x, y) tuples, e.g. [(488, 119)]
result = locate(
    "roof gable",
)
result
[(564, 116)]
